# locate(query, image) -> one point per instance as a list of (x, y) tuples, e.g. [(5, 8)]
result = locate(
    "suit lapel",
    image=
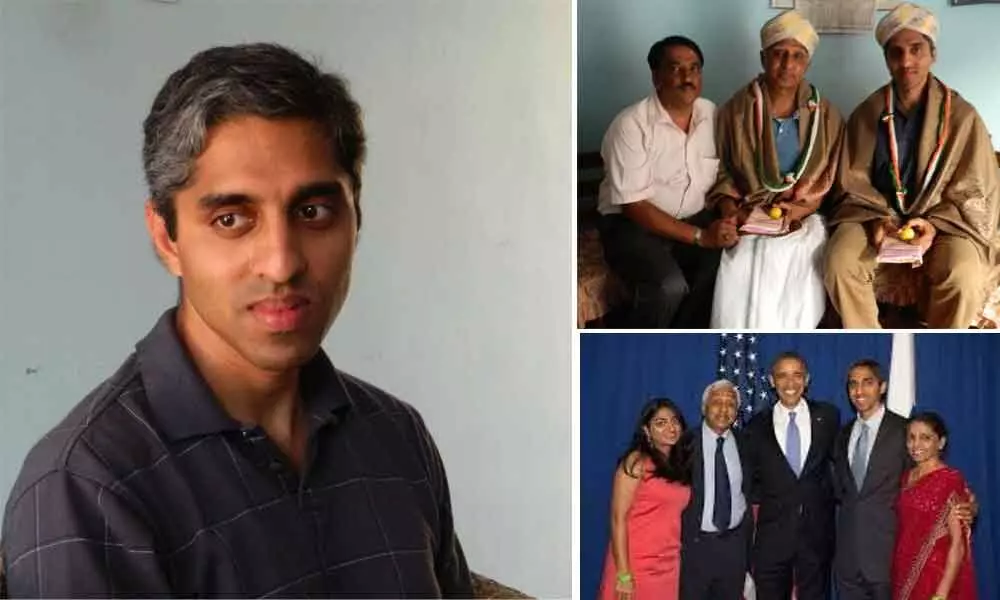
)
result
[(772, 438), (699, 474), (816, 422), (842, 463), (873, 457), (881, 450)]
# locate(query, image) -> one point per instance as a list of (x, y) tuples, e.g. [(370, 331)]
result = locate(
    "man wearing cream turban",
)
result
[(778, 140), (917, 165)]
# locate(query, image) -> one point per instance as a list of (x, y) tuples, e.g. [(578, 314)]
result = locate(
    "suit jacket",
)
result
[(790, 504), (866, 524), (691, 517)]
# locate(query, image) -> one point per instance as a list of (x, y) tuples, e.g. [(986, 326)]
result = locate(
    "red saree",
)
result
[(922, 541)]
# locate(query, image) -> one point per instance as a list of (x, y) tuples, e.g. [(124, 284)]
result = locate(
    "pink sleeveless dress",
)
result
[(654, 542)]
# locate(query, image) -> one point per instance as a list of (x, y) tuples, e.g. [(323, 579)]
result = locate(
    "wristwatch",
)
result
[(697, 236)]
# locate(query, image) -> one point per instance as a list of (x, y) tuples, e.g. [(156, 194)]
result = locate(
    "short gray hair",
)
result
[(265, 80), (718, 384)]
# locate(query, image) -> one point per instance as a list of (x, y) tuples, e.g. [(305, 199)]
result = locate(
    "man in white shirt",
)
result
[(659, 160), (788, 454)]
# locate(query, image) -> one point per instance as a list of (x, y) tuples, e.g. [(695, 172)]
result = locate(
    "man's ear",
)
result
[(166, 248)]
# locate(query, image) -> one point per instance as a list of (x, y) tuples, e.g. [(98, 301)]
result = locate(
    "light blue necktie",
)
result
[(793, 445), (860, 465)]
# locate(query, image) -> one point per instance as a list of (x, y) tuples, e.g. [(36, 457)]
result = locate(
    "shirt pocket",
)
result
[(705, 170)]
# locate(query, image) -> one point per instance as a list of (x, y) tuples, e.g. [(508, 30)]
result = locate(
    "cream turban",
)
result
[(907, 16), (789, 25)]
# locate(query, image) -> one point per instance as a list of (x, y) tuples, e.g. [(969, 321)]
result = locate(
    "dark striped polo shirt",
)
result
[(148, 488)]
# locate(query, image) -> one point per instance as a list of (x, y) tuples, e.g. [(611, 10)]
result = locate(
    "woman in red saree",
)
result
[(933, 557)]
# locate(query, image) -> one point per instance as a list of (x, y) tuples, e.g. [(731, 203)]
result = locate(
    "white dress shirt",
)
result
[(738, 504), (648, 157), (873, 423), (781, 420)]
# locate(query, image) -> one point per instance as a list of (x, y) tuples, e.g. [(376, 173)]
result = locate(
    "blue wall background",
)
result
[(614, 36)]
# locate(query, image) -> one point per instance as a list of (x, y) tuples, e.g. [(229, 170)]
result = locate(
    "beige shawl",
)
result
[(962, 198), (736, 141)]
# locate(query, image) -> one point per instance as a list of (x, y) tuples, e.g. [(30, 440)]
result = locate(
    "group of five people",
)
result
[(694, 511)]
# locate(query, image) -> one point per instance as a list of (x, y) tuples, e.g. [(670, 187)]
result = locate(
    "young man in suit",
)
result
[(869, 459), (716, 526), (788, 454)]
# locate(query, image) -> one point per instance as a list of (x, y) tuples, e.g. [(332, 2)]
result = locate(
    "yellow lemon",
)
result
[(906, 234), (775, 212)]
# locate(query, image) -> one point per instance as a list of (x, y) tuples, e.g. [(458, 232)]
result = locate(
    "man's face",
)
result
[(909, 57), (720, 409), (865, 390), (678, 80), (785, 64), (789, 380), (266, 233)]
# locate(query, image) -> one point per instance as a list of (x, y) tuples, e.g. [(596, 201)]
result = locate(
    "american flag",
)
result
[(739, 363)]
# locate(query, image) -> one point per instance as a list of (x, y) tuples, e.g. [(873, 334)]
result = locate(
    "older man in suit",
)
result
[(869, 459), (716, 526), (788, 459)]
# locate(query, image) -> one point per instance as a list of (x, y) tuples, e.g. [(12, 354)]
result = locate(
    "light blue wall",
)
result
[(614, 37)]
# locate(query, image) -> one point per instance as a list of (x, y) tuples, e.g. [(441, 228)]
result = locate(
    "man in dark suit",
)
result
[(869, 460), (788, 459), (716, 526)]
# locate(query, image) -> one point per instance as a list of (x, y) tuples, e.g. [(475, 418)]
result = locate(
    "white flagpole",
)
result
[(902, 378)]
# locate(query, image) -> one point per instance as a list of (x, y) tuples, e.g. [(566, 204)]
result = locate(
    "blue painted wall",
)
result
[(614, 37)]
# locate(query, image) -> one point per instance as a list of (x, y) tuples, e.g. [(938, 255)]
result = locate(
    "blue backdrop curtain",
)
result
[(620, 372), (957, 377)]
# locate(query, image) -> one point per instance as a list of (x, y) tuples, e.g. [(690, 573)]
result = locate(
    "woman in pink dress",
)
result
[(650, 490), (933, 558)]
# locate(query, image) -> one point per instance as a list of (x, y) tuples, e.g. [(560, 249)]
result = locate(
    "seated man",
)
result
[(659, 157), (779, 142), (918, 163)]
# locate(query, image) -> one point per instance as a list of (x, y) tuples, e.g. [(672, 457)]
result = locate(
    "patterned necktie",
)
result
[(860, 464), (723, 500), (793, 445)]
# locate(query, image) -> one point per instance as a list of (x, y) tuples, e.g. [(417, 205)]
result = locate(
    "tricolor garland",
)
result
[(790, 179), (897, 180)]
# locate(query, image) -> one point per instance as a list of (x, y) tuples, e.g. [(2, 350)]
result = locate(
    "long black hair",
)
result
[(674, 467)]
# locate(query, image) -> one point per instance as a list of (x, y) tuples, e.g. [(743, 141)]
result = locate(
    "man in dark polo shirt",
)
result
[(227, 456)]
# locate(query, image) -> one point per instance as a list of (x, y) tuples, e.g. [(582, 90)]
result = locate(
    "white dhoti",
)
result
[(772, 282)]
